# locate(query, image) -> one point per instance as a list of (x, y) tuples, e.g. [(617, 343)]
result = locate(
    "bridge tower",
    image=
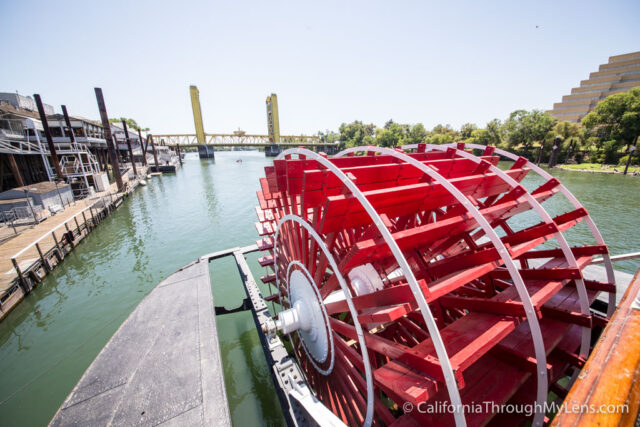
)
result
[(204, 151), (273, 123)]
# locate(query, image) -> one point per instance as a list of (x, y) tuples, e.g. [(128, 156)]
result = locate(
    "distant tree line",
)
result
[(131, 123), (604, 136)]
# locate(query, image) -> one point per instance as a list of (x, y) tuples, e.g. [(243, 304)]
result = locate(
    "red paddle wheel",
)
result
[(411, 291)]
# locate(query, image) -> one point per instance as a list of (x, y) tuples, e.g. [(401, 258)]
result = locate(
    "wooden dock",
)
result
[(27, 258), (162, 365)]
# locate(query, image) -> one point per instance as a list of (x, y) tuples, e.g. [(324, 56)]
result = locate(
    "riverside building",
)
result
[(620, 74)]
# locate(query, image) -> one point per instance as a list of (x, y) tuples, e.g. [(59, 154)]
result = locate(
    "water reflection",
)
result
[(208, 189)]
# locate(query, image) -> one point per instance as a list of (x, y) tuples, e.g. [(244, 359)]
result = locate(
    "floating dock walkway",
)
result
[(162, 365)]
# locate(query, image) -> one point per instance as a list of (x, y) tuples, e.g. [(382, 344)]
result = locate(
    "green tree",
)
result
[(131, 123), (353, 134), (415, 135), (478, 136), (466, 130), (615, 121), (442, 134), (490, 135), (571, 135), (440, 138), (494, 133), (329, 136), (391, 135), (524, 128)]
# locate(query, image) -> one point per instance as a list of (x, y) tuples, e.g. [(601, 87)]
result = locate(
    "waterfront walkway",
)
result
[(13, 246), (28, 257)]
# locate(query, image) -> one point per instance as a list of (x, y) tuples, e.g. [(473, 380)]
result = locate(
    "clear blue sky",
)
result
[(328, 61)]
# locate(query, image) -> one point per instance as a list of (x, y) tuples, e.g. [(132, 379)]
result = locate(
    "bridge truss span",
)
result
[(236, 140)]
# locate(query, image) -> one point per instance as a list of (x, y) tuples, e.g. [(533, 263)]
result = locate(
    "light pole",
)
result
[(59, 195), (26, 195)]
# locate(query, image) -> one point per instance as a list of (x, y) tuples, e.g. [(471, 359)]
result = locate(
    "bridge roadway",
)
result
[(237, 140)]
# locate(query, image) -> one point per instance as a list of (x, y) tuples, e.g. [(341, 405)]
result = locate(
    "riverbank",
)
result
[(598, 168)]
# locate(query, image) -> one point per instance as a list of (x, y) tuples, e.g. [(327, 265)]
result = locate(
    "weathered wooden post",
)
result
[(93, 217), (115, 165), (69, 235), (632, 150), (155, 154), (540, 151), (15, 170), (23, 283), (554, 151), (86, 228), (42, 258), (143, 148), (47, 134), (55, 239), (126, 137), (75, 219)]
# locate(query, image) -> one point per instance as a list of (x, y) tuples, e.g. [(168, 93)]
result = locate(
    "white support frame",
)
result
[(532, 319), (576, 204), (544, 215), (347, 293), (447, 370)]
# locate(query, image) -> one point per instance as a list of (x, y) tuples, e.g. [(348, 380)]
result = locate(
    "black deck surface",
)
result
[(162, 366)]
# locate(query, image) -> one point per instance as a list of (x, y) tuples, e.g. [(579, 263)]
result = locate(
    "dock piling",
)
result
[(47, 134), (23, 283), (142, 147), (42, 258), (155, 154), (115, 165), (69, 235), (75, 219), (128, 140), (55, 239)]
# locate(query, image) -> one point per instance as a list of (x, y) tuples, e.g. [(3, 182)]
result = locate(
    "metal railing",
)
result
[(20, 212), (8, 218)]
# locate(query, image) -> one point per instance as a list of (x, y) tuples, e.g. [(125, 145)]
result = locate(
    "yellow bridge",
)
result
[(273, 141), (236, 140)]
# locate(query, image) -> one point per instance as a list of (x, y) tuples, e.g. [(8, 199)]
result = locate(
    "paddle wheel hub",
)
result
[(428, 275), (308, 317)]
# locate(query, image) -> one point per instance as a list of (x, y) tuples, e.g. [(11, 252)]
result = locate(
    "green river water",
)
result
[(48, 341)]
